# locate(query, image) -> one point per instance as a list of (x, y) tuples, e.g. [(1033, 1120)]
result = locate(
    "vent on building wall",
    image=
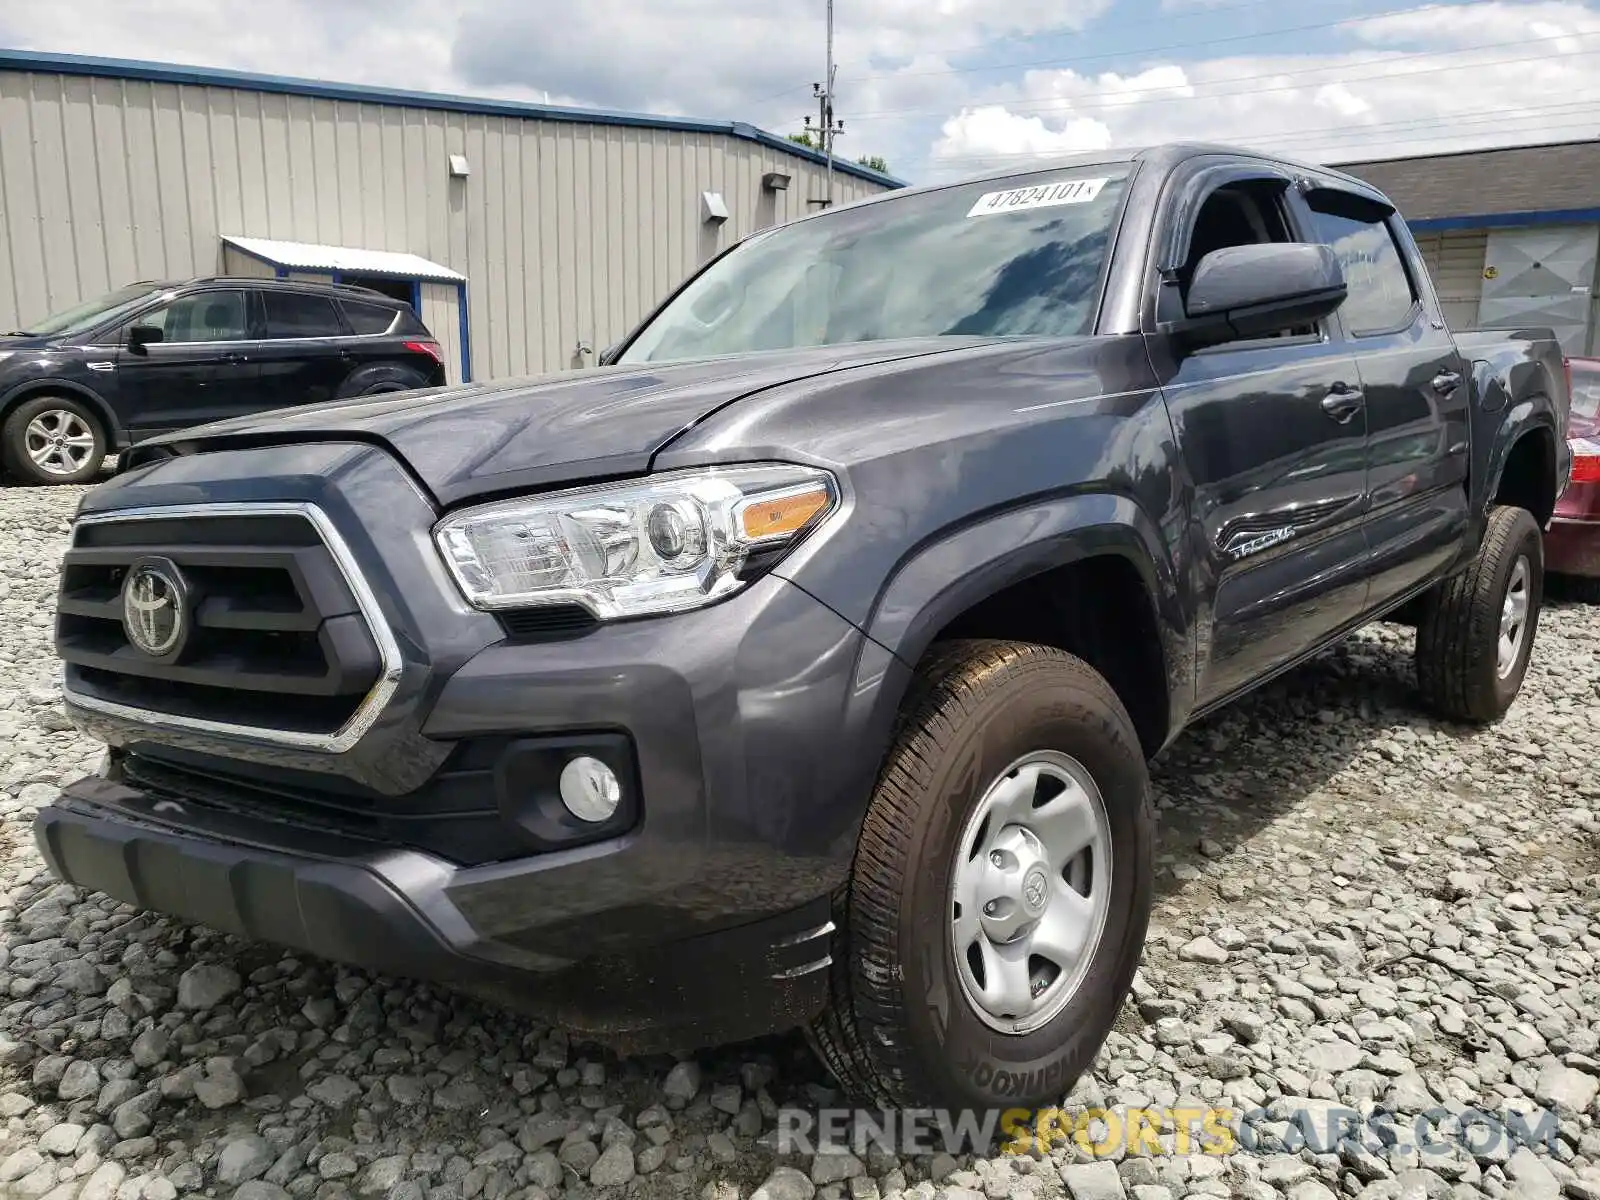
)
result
[(458, 166), (714, 208)]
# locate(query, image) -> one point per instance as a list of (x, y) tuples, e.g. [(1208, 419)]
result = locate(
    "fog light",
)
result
[(590, 789)]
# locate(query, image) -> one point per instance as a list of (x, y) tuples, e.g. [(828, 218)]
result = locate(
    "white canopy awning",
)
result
[(304, 256)]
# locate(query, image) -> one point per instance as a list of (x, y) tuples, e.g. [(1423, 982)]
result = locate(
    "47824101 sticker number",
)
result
[(1044, 195)]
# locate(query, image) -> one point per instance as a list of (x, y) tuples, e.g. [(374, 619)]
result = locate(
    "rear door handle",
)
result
[(1342, 402), (233, 356), (1446, 382)]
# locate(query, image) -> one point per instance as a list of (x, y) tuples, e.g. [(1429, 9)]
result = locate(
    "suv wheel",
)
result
[(380, 378), (53, 439), (1478, 627), (1001, 887)]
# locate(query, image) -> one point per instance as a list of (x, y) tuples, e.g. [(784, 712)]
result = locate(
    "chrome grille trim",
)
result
[(371, 706)]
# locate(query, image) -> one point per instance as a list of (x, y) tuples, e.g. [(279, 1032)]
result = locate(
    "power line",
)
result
[(1101, 100), (1209, 10), (1288, 141), (1139, 50), (1324, 134), (1205, 11)]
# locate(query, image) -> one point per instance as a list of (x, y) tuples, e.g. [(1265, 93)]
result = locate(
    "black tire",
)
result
[(380, 378), (899, 1029), (75, 419), (1458, 639)]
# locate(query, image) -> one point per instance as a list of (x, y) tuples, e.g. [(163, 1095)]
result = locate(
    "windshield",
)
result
[(91, 312), (1001, 258)]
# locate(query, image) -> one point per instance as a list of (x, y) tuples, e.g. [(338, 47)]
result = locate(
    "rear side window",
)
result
[(411, 326), (299, 315), (369, 318), (1381, 298)]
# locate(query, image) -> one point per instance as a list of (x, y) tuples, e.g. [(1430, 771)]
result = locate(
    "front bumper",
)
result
[(394, 912), (754, 728)]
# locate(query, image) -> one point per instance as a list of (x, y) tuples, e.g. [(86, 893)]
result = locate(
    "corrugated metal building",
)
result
[(529, 236), (1510, 235)]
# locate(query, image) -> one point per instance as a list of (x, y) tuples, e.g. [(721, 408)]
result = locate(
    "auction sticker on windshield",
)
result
[(1042, 195)]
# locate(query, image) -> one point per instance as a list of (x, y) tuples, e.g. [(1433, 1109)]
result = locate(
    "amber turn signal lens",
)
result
[(765, 517)]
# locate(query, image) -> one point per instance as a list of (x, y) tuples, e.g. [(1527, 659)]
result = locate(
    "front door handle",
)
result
[(1342, 402), (1446, 382), (234, 356)]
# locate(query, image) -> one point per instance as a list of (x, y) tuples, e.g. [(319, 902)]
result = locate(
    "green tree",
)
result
[(874, 162), (804, 139)]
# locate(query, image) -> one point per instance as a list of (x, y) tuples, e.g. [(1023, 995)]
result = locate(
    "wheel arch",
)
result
[(1089, 574), (1526, 476), (116, 436)]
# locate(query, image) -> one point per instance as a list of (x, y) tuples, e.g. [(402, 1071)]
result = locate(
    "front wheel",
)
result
[(1478, 626), (1001, 888), (53, 439)]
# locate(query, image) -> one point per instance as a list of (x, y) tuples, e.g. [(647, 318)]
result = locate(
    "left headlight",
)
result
[(664, 544)]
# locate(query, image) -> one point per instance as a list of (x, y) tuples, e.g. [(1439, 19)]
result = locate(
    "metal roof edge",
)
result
[(1471, 152), (154, 72)]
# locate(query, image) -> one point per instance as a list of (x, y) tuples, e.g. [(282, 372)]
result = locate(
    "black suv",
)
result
[(155, 357)]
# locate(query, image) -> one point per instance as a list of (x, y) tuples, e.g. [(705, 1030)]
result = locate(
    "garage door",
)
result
[(1455, 263)]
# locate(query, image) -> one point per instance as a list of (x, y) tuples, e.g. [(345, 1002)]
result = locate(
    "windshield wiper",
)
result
[(22, 333)]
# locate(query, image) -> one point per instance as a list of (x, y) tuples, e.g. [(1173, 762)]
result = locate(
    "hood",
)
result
[(525, 433), (10, 344)]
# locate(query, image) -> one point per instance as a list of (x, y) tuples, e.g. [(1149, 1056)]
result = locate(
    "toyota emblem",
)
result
[(155, 608)]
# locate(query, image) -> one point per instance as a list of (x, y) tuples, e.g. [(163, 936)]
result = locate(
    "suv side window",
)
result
[(367, 318), (1382, 298), (222, 316), (300, 315)]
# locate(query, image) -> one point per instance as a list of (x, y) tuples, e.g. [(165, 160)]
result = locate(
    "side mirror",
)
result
[(1254, 291), (141, 336)]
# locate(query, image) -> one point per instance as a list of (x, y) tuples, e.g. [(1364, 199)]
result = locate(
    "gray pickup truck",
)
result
[(800, 667)]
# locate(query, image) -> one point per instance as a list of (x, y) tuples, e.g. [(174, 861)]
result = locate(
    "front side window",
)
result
[(300, 315), (1381, 298), (203, 317), (1016, 257)]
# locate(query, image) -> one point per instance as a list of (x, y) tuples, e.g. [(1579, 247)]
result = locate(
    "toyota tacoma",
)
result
[(800, 666)]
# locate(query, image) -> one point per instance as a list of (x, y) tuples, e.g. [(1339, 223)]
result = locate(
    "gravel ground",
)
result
[(1357, 907)]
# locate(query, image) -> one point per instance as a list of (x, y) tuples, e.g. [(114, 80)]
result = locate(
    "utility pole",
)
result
[(828, 127)]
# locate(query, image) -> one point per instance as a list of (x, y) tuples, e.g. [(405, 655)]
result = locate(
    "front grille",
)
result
[(277, 640), (453, 815), (553, 621)]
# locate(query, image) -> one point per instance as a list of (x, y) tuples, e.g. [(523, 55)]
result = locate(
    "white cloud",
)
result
[(1519, 71), (1426, 82), (993, 130)]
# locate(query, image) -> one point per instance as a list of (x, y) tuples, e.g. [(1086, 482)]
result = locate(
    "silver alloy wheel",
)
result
[(1513, 618), (1030, 891), (59, 441)]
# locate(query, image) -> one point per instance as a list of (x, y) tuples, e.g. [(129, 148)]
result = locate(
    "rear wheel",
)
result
[(1001, 888), (53, 439), (1478, 626), (378, 379)]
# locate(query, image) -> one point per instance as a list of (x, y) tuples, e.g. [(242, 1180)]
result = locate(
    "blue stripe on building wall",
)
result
[(122, 68), (1554, 216)]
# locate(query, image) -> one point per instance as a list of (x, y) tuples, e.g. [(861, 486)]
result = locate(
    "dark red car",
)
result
[(1572, 543)]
